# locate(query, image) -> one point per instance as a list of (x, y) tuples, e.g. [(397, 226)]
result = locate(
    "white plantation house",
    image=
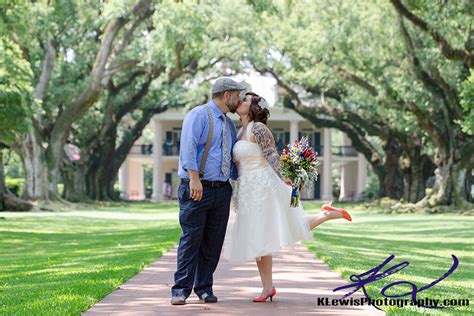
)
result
[(286, 125)]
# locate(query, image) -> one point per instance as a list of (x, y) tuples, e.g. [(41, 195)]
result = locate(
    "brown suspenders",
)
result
[(208, 143), (209, 140)]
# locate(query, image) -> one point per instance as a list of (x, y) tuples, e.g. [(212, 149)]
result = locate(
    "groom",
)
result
[(205, 166)]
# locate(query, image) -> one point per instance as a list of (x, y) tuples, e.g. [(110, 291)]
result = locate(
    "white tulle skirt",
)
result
[(263, 222)]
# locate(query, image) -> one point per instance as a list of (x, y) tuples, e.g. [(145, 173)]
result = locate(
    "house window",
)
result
[(282, 138), (171, 142), (314, 139)]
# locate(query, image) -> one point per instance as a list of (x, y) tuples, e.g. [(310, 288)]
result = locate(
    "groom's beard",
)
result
[(232, 106)]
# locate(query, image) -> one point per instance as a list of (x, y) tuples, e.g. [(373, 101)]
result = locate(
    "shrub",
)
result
[(15, 185)]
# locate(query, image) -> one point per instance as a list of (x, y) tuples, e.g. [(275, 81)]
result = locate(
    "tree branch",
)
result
[(450, 93), (358, 81), (116, 68), (445, 134), (418, 70), (446, 49), (134, 101), (125, 146), (45, 77), (178, 69), (314, 115), (115, 88), (142, 11), (91, 92)]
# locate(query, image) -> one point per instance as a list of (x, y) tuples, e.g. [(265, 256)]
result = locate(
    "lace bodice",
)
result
[(248, 156), (251, 156)]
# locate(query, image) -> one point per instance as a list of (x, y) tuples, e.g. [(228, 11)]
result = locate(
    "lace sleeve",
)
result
[(265, 140)]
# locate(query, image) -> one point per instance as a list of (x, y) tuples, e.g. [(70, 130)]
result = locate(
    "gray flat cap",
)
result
[(226, 84)]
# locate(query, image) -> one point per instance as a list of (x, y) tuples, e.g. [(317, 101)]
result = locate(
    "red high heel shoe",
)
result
[(329, 207), (261, 299)]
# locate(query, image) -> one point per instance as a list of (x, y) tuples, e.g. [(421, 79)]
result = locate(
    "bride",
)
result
[(264, 221)]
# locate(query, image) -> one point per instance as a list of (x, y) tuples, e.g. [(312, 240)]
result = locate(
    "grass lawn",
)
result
[(425, 241), (56, 263), (62, 263)]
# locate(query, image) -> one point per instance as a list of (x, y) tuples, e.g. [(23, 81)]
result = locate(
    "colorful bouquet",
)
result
[(298, 163)]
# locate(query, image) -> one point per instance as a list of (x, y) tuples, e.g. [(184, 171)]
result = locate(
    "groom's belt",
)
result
[(206, 183)]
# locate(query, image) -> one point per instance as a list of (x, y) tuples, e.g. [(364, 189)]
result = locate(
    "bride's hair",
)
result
[(256, 113)]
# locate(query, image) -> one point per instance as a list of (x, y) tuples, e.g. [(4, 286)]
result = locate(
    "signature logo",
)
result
[(374, 274)]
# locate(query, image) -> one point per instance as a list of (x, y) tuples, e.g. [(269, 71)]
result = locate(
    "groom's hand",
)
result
[(195, 186), (195, 189)]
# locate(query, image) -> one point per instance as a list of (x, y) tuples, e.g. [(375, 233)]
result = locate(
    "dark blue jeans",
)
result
[(204, 224)]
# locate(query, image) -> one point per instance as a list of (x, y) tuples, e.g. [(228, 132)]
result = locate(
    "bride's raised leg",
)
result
[(328, 212), (316, 220)]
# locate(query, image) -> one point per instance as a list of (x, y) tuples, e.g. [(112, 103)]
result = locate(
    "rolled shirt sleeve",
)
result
[(193, 127)]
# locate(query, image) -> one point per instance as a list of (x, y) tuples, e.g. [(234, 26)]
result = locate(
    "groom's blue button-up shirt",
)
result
[(193, 140)]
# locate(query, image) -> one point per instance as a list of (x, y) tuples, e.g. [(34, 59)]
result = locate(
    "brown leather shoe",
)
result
[(208, 298), (178, 300)]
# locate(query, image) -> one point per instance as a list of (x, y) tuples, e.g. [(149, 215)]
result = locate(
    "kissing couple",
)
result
[(211, 153)]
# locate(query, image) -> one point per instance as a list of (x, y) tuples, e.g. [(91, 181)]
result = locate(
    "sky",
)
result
[(265, 86)]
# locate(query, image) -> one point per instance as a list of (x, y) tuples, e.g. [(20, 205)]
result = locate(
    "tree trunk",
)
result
[(35, 166), (84, 101), (14, 204), (380, 173), (97, 180), (111, 179), (468, 184), (454, 147), (107, 159), (106, 162), (31, 148), (101, 182), (73, 173), (416, 169), (452, 160), (393, 182), (102, 154), (449, 186), (2, 181), (413, 181)]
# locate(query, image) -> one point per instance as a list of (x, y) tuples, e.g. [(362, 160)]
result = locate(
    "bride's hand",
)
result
[(288, 181)]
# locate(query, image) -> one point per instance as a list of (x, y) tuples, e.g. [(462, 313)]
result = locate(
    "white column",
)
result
[(158, 176), (326, 193), (293, 131), (346, 173), (140, 179), (136, 185), (348, 181), (361, 175), (344, 179), (123, 180)]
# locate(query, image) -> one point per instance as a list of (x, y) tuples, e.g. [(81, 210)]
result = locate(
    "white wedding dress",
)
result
[(264, 221)]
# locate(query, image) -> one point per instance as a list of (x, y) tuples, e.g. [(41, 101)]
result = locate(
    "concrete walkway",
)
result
[(299, 277)]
